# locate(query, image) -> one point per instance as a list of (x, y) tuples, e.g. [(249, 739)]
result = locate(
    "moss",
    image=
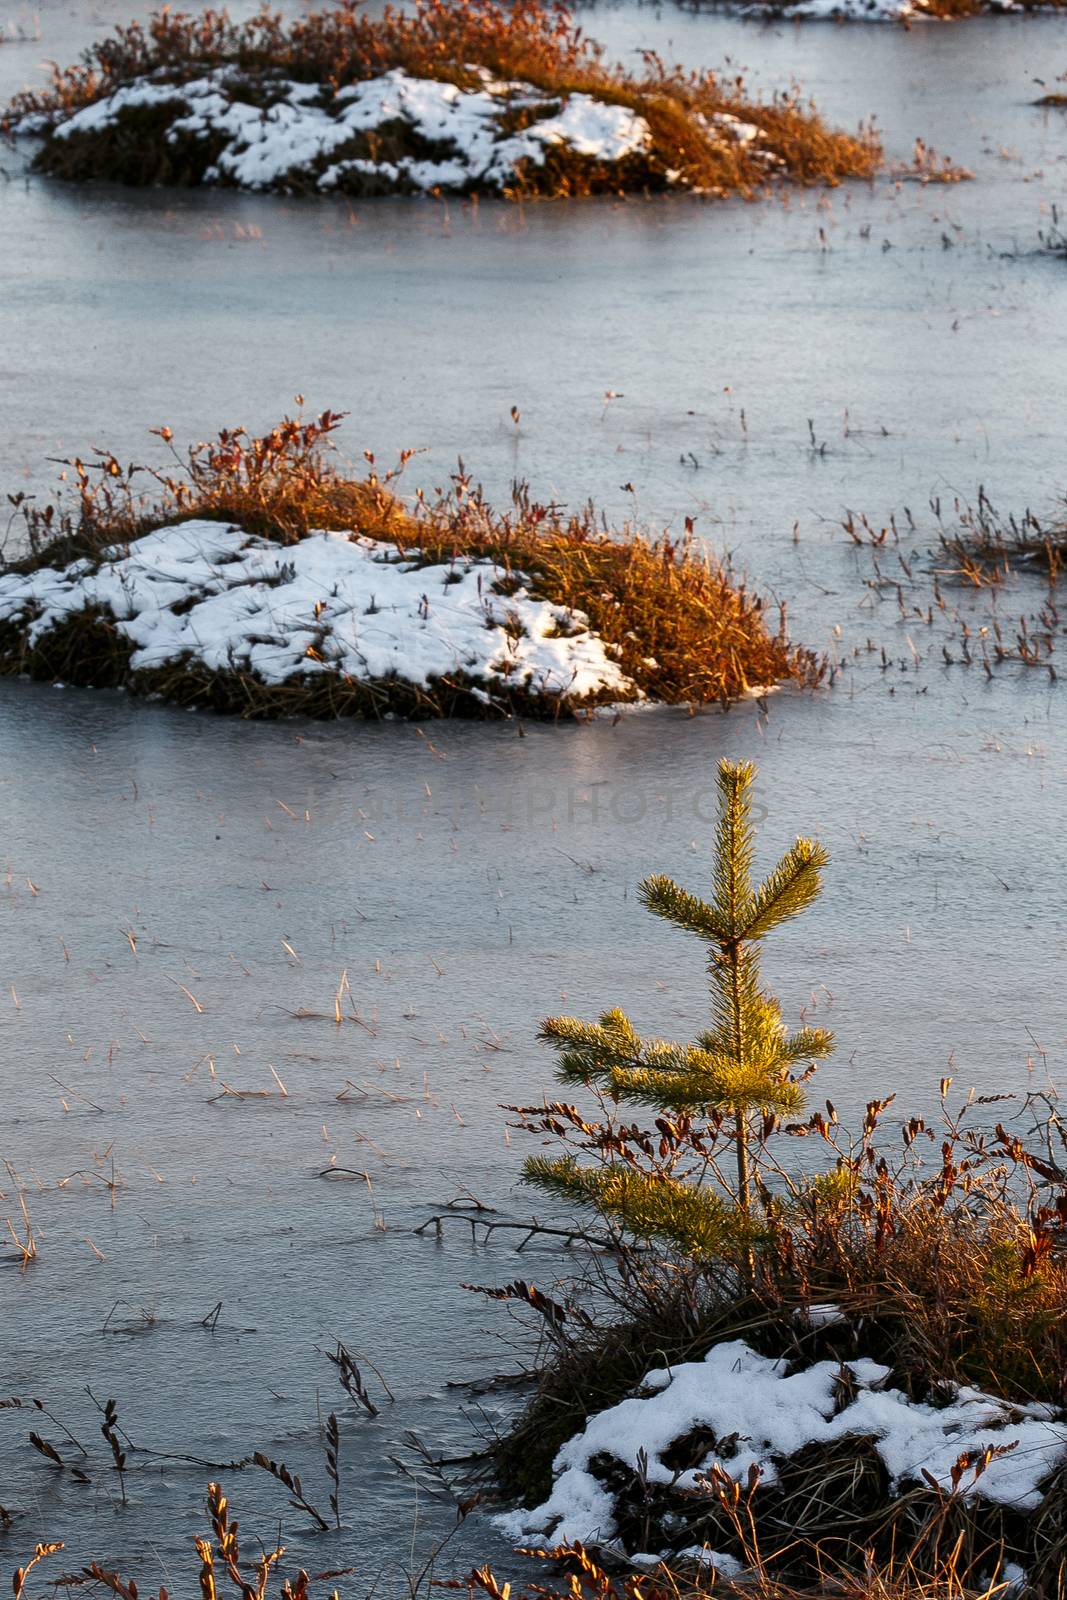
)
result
[(88, 650), (85, 649), (327, 696), (392, 142), (136, 148), (566, 173), (517, 118)]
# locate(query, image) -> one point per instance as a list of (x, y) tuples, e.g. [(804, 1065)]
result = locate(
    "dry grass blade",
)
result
[(124, 1588), (41, 1551), (351, 1378), (27, 1244), (47, 1450), (291, 1481), (109, 1428), (333, 1456)]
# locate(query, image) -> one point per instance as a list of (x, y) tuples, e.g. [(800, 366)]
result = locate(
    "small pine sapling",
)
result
[(729, 1087)]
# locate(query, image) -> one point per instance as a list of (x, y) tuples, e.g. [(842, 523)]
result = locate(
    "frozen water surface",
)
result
[(185, 892)]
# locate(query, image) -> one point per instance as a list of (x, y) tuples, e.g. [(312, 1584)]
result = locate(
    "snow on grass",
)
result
[(331, 603), (302, 127), (852, 11), (873, 10), (762, 1413)]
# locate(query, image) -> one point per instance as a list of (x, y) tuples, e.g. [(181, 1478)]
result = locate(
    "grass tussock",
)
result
[(585, 1577), (530, 43), (956, 10), (985, 545), (965, 586), (568, 1572), (925, 10), (679, 624), (939, 1254), (944, 1252)]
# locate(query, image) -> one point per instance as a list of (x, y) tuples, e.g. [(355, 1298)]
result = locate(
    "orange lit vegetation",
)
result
[(680, 625), (530, 42)]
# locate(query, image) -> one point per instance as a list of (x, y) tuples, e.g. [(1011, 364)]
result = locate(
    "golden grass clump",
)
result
[(984, 545), (678, 623), (529, 42)]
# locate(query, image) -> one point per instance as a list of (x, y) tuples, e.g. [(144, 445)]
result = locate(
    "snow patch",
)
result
[(285, 130), (332, 603), (866, 10), (767, 1414), (850, 11)]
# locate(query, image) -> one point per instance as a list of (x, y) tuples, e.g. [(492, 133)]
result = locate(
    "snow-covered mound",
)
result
[(395, 132), (852, 10), (755, 1412), (868, 10), (230, 602)]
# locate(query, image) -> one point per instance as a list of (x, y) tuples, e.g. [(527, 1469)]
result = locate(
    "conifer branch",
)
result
[(710, 1083), (665, 898), (693, 1218), (591, 1052), (734, 845), (807, 1044), (788, 890)]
